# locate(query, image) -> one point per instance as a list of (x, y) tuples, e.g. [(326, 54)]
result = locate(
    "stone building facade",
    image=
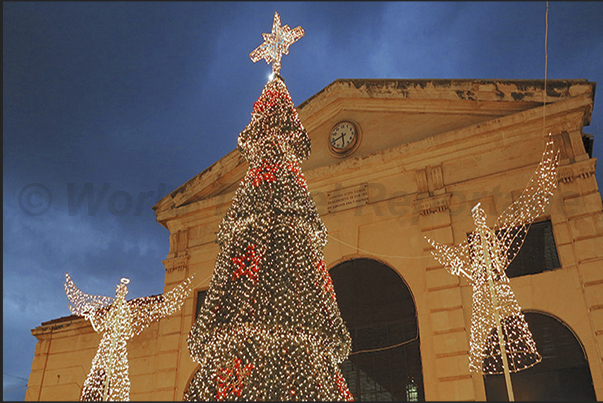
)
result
[(427, 151)]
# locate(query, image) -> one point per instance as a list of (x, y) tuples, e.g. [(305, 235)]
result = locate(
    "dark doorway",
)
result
[(562, 375), (379, 311)]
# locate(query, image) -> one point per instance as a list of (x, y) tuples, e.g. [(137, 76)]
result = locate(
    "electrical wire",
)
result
[(377, 254), (385, 348), (546, 60)]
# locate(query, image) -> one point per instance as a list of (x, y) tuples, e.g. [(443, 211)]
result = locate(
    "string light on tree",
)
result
[(118, 321), (500, 340), (270, 327)]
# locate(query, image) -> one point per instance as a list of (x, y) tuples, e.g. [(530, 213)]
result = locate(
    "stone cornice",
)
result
[(177, 263), (432, 204), (217, 180), (578, 170), (63, 324), (500, 91)]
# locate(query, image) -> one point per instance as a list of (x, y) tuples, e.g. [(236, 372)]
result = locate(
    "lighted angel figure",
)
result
[(483, 259), (118, 321)]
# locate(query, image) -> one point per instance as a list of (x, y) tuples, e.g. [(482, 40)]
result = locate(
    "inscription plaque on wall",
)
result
[(343, 199)]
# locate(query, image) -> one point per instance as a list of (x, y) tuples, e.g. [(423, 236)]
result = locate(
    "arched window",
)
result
[(563, 373), (379, 311)]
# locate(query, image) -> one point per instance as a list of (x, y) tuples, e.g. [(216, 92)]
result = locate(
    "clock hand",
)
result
[(334, 140)]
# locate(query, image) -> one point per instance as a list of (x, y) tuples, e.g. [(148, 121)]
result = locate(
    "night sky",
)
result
[(126, 101)]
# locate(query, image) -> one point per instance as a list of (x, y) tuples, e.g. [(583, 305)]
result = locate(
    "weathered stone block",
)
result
[(168, 342), (440, 277), (566, 255), (63, 393), (68, 358), (588, 248), (35, 377), (167, 361), (170, 324), (591, 271), (452, 366), (561, 233), (456, 390), (142, 365), (446, 320), (66, 375), (596, 316), (450, 343), (445, 298), (585, 204), (594, 295), (439, 235), (165, 379), (586, 226)]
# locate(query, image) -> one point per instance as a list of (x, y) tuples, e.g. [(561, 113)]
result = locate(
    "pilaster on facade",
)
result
[(168, 358), (171, 348), (177, 262), (38, 367), (582, 207), (58, 373), (445, 299), (178, 242), (431, 194)]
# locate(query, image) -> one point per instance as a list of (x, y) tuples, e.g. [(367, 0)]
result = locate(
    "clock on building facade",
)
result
[(344, 138)]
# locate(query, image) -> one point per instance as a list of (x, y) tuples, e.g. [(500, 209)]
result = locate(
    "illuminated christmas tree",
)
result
[(118, 321), (270, 327)]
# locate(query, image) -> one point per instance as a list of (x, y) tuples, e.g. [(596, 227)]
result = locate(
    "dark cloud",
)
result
[(142, 96)]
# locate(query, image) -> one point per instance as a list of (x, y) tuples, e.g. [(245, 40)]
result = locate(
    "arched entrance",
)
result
[(380, 313), (563, 373)]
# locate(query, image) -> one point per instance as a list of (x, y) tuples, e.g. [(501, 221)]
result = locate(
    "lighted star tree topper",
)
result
[(270, 327), (500, 340), (118, 321), (276, 44)]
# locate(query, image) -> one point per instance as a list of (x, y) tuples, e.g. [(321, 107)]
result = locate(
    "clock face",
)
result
[(343, 136)]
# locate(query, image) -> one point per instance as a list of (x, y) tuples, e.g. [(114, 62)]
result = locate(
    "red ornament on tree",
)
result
[(231, 379), (248, 264), (264, 173)]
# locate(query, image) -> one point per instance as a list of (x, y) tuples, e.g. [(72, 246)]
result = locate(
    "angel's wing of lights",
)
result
[(456, 259), (82, 303), (512, 224), (146, 310)]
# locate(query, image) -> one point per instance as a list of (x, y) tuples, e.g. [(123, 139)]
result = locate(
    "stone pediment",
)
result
[(389, 112)]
